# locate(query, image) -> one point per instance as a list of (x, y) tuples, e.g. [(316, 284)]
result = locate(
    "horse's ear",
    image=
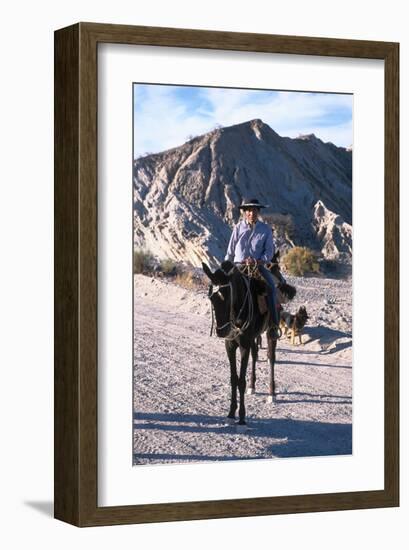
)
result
[(206, 269), (227, 266), (218, 277)]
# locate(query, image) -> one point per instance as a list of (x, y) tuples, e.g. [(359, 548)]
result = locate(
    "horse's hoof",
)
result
[(251, 391), (241, 428), (270, 399)]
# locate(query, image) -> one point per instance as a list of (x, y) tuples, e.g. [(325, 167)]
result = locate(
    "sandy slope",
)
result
[(182, 386)]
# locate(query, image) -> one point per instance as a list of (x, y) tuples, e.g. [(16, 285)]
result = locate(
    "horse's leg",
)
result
[(271, 353), (245, 352), (254, 357), (231, 347)]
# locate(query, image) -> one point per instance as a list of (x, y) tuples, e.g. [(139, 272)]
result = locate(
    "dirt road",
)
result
[(182, 381)]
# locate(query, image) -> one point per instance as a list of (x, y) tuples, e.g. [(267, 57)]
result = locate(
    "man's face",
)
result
[(251, 214)]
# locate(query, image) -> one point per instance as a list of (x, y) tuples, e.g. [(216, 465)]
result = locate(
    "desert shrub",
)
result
[(185, 279), (142, 261), (168, 267), (300, 260), (191, 280)]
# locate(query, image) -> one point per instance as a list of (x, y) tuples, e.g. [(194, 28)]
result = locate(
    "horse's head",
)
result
[(285, 292), (220, 295)]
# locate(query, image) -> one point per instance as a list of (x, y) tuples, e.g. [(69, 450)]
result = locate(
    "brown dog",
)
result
[(294, 323)]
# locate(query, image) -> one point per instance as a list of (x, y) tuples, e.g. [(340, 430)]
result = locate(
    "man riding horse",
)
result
[(234, 296), (252, 243)]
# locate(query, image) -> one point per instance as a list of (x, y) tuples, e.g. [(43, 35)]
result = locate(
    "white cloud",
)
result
[(165, 121)]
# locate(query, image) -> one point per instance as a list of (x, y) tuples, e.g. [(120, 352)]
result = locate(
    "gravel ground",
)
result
[(182, 380)]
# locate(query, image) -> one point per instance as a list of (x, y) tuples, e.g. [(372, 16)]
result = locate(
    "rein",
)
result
[(212, 306), (252, 271)]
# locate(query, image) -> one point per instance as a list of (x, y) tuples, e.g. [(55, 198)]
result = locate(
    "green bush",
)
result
[(168, 267), (142, 261), (300, 260)]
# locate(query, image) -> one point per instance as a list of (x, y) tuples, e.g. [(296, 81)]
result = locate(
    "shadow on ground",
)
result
[(291, 438), (328, 339), (303, 397), (44, 507)]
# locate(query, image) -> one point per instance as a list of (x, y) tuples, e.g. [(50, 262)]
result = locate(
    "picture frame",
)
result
[(76, 274)]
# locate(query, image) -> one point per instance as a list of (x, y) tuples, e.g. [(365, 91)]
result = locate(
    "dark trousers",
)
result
[(271, 292)]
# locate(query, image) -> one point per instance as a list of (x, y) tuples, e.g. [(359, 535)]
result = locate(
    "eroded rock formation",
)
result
[(186, 198)]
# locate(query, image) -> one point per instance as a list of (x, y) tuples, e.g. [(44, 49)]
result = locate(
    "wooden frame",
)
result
[(76, 274)]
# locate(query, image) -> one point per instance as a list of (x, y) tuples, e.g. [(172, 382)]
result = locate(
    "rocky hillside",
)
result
[(186, 198)]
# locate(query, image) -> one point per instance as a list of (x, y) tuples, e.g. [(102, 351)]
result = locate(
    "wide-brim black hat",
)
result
[(248, 203)]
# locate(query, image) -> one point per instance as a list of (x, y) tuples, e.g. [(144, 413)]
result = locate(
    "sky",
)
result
[(167, 116)]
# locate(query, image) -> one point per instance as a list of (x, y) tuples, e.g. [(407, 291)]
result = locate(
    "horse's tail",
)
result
[(287, 290)]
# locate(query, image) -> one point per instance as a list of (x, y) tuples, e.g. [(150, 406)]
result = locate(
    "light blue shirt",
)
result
[(251, 241)]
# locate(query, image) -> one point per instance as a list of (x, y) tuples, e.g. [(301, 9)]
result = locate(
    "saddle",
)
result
[(251, 271)]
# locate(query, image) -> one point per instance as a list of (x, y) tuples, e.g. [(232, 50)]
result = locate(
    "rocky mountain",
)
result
[(334, 235), (186, 198)]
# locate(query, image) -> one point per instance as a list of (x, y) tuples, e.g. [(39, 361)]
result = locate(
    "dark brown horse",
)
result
[(240, 321)]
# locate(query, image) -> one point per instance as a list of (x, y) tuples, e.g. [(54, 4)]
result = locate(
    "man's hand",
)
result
[(250, 261)]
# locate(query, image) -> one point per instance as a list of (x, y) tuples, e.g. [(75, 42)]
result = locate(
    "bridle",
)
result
[(235, 330)]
